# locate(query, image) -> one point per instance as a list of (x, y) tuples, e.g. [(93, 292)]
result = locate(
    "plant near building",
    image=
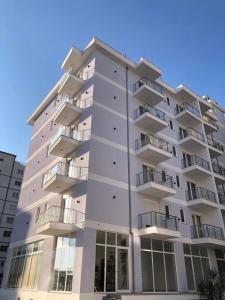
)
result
[(213, 287)]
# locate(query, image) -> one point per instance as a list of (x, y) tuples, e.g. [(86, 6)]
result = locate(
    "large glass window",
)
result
[(220, 259), (197, 265), (24, 268), (158, 266), (64, 264), (111, 263)]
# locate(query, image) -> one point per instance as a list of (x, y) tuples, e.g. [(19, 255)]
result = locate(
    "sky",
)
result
[(185, 38)]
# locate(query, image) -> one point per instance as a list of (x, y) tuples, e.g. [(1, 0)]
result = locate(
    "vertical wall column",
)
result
[(180, 268)]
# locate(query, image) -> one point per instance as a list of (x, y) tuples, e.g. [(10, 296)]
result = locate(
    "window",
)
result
[(182, 218), (3, 248), (1, 159), (158, 266), (17, 183), (10, 220), (64, 264), (178, 180), (220, 259), (197, 265), (171, 124), (15, 195), (167, 211), (38, 214), (168, 101), (7, 233), (2, 262), (20, 172), (12, 207), (1, 277), (24, 267), (174, 151)]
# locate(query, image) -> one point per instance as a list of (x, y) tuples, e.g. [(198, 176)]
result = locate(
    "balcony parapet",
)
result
[(152, 140), (200, 193), (195, 161), (207, 231), (190, 132), (148, 82), (150, 109), (187, 107), (156, 177)]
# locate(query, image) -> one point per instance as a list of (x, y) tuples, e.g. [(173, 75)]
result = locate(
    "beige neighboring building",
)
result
[(11, 176), (124, 188)]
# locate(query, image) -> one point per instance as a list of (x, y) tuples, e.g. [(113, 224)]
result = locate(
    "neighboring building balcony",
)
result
[(187, 114), (215, 148), (219, 173), (191, 139), (66, 141), (148, 91), (158, 225), (196, 167), (62, 177), (150, 118), (209, 124), (207, 235), (201, 199), (221, 196), (57, 221), (69, 111), (155, 184), (70, 84), (152, 149), (205, 105)]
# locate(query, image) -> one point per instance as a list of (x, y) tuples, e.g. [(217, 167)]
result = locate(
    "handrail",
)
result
[(157, 219), (214, 144), (150, 109), (199, 192), (195, 160), (152, 140), (185, 106), (218, 169), (148, 82), (191, 132), (154, 176), (67, 170), (207, 231), (76, 101)]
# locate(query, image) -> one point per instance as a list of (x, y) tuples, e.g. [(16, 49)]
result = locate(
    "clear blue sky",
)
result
[(186, 39)]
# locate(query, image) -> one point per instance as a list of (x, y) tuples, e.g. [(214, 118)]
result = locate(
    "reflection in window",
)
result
[(64, 264)]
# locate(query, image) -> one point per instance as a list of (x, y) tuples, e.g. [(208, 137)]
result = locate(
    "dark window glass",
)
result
[(147, 276)]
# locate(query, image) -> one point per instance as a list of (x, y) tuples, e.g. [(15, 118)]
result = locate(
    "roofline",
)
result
[(8, 153)]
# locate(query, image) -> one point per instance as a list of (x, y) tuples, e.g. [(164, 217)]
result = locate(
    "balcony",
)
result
[(152, 149), (150, 118), (155, 184), (201, 199), (191, 140), (148, 91), (209, 125), (64, 142), (157, 225), (215, 148), (71, 83), (207, 235), (205, 105), (68, 112), (62, 177), (221, 196), (219, 173), (196, 167), (187, 114), (57, 221)]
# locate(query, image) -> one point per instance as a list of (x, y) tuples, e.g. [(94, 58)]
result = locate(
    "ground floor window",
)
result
[(24, 268), (64, 264), (197, 265), (220, 259), (158, 266), (111, 263)]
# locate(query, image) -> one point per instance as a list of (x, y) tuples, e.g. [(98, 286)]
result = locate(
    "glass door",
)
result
[(197, 223), (191, 190), (122, 270), (66, 210), (187, 160)]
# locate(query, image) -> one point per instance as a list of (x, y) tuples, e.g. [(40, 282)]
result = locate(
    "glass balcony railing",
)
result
[(152, 140), (187, 107), (150, 109), (195, 160), (154, 176), (209, 121), (198, 193), (67, 170), (60, 215), (145, 81), (207, 231), (157, 219), (76, 101), (191, 132), (218, 169), (215, 144)]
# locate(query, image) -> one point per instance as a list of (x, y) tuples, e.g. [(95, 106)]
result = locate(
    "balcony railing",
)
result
[(148, 82), (195, 160), (154, 176), (208, 120), (76, 101), (207, 231), (157, 219), (198, 193), (191, 132), (60, 215), (187, 107), (150, 109), (221, 197), (71, 71), (214, 144), (67, 170), (218, 169), (152, 140)]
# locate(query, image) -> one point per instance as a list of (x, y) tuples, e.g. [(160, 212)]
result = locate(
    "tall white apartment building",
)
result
[(11, 175), (124, 189)]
